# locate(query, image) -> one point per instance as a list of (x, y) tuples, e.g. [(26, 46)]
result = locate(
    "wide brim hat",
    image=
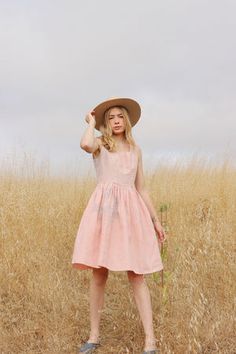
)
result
[(131, 105)]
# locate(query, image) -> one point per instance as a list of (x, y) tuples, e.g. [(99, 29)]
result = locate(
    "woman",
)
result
[(119, 225)]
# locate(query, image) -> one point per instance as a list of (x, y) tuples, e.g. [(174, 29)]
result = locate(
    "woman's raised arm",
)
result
[(88, 141)]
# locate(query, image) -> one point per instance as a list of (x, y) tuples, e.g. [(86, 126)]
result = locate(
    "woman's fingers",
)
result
[(90, 116), (163, 236), (160, 232)]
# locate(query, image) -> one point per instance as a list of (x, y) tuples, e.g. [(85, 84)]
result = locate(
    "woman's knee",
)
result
[(135, 278), (100, 275)]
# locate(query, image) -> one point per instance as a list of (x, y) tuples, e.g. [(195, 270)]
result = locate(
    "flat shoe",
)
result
[(89, 348), (154, 351)]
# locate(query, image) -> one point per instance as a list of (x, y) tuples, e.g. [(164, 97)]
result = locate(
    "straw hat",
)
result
[(131, 105)]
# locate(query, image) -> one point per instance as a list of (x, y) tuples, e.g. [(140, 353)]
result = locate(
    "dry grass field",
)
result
[(44, 301)]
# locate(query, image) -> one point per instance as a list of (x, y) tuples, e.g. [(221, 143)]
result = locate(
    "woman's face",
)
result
[(117, 121)]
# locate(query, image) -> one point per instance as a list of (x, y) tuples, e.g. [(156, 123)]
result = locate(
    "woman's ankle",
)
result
[(150, 343), (94, 337)]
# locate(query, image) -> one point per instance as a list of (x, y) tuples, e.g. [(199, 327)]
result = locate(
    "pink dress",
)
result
[(116, 230)]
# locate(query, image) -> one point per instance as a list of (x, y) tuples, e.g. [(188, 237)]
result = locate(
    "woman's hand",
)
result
[(89, 118), (160, 231)]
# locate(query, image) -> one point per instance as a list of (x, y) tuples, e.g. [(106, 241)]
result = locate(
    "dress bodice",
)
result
[(119, 166)]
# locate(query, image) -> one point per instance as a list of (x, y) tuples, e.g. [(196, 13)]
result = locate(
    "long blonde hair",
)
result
[(107, 139)]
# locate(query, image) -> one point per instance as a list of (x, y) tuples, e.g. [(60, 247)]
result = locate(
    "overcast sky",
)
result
[(59, 59)]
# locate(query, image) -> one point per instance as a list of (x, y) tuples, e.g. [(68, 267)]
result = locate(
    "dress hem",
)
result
[(84, 266)]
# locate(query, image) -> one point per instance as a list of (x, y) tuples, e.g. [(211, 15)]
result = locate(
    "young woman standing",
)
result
[(119, 229)]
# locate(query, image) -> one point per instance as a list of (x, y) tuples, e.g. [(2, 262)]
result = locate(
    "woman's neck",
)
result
[(120, 139)]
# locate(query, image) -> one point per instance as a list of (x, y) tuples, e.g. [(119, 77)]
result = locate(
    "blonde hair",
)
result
[(107, 139)]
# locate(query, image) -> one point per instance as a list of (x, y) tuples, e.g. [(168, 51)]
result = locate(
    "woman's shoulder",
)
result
[(138, 149), (99, 144)]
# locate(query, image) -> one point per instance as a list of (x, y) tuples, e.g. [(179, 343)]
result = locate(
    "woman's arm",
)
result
[(141, 188), (88, 141)]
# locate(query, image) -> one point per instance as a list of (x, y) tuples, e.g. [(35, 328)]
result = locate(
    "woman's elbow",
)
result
[(141, 189)]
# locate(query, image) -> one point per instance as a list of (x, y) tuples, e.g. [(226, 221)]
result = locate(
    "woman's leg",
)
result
[(96, 294), (143, 302)]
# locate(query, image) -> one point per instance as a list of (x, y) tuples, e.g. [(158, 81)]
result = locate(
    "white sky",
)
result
[(59, 59)]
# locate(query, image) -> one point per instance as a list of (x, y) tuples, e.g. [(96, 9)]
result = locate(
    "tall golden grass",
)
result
[(44, 302)]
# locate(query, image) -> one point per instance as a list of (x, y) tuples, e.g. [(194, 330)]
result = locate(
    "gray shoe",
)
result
[(154, 351), (88, 348)]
